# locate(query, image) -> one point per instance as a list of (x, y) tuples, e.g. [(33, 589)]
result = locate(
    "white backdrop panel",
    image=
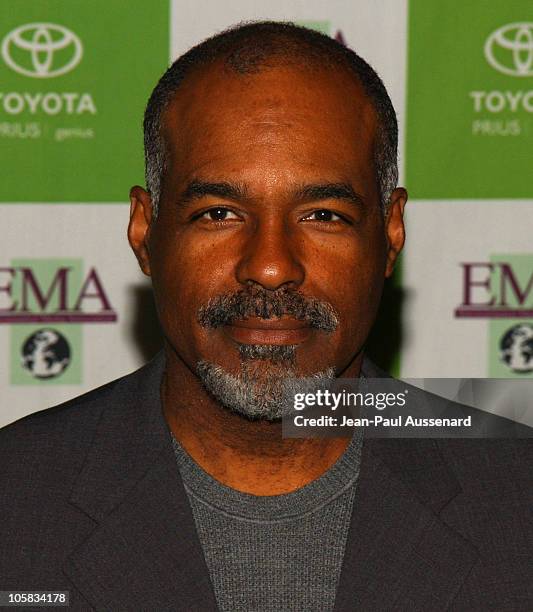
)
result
[(441, 235), (96, 233)]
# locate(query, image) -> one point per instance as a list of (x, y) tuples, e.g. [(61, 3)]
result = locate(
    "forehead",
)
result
[(286, 117)]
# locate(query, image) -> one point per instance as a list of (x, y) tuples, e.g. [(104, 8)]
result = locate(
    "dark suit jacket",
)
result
[(91, 501)]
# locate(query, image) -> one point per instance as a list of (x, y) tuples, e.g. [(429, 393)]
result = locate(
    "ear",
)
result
[(394, 228), (139, 226)]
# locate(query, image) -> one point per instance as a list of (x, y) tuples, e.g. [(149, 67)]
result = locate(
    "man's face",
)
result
[(270, 247)]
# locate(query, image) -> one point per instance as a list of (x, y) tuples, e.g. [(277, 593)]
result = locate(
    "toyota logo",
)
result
[(42, 50), (509, 49)]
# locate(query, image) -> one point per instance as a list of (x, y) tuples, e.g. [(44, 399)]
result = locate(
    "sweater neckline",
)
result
[(336, 480)]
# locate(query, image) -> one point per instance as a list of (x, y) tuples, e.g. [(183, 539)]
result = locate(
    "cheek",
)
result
[(186, 272), (347, 270), (349, 273)]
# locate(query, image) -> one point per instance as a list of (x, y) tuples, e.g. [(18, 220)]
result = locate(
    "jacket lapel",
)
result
[(399, 554), (144, 552)]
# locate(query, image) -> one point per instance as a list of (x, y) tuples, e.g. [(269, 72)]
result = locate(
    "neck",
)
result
[(249, 456)]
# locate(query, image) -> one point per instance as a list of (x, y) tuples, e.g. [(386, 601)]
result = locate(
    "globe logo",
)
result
[(45, 354), (42, 50), (516, 348), (509, 49)]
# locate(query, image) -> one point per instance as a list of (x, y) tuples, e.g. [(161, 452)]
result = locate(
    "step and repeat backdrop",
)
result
[(75, 312)]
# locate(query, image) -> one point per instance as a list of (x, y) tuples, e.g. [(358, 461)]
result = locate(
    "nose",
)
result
[(269, 258)]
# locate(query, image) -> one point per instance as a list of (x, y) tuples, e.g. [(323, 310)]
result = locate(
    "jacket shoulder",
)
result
[(62, 433), (60, 419)]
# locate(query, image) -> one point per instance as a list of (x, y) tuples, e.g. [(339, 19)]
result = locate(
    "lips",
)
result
[(268, 331)]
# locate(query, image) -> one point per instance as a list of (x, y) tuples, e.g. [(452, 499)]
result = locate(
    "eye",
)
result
[(323, 215), (218, 214)]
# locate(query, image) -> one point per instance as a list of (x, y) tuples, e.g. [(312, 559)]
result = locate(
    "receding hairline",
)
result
[(270, 65)]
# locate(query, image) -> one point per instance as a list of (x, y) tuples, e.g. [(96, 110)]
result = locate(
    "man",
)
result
[(270, 221)]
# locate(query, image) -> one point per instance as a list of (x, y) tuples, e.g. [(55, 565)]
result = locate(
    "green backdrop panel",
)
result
[(470, 99), (74, 80)]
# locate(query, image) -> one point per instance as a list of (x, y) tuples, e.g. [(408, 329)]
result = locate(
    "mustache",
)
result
[(265, 304)]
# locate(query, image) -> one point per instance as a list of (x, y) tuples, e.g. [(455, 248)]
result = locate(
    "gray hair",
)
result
[(245, 48)]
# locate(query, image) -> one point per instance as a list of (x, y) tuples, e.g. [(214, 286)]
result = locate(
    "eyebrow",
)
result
[(197, 189), (330, 191)]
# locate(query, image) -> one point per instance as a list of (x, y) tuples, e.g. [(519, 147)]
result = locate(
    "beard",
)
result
[(264, 388), (265, 385)]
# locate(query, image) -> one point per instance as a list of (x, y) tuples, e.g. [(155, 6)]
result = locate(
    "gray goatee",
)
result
[(265, 386)]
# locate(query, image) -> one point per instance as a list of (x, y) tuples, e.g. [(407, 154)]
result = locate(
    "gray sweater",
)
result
[(275, 553)]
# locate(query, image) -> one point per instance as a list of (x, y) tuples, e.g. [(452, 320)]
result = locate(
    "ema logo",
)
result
[(509, 49), (496, 290), (60, 295), (45, 354), (42, 50), (46, 303), (500, 290)]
